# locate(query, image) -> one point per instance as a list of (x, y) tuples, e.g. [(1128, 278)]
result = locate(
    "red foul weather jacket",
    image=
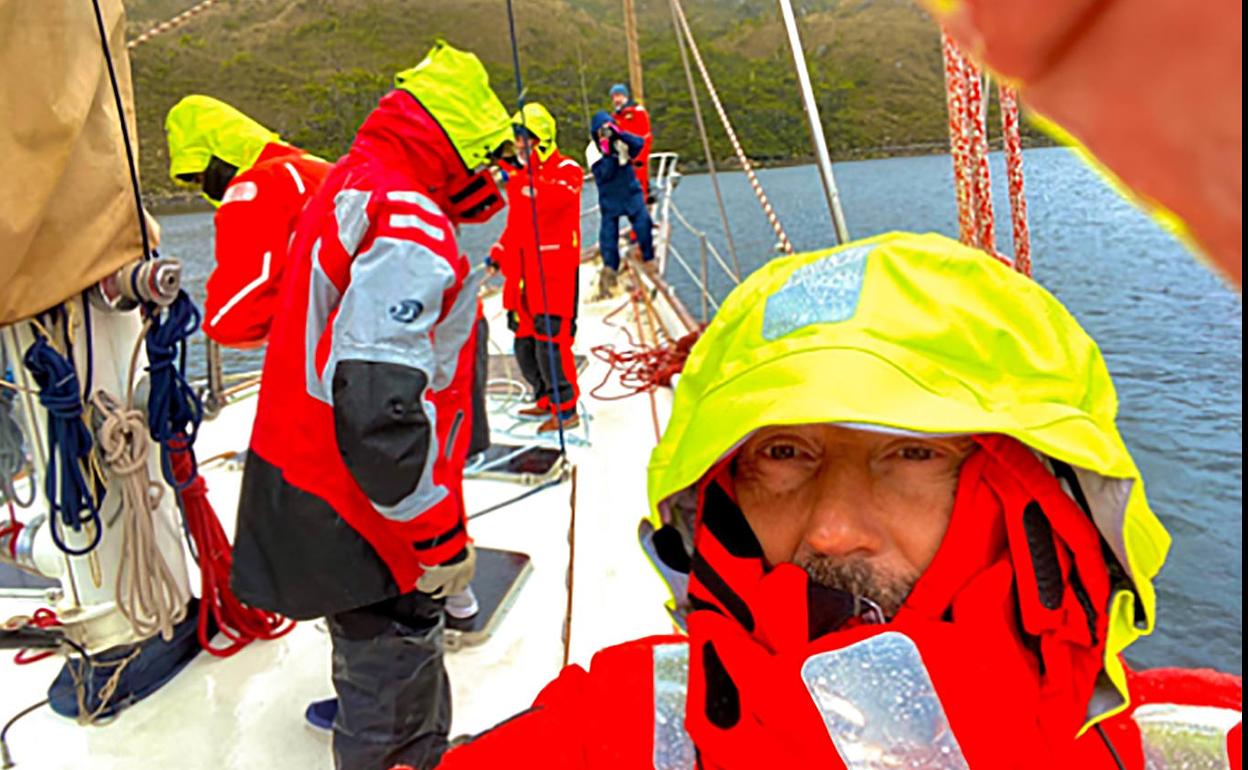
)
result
[(634, 119), (557, 184), (354, 475), (995, 655), (254, 226)]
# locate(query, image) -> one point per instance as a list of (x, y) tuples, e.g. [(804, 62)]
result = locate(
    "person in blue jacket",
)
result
[(619, 193)]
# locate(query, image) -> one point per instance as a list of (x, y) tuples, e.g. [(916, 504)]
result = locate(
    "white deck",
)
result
[(247, 711)]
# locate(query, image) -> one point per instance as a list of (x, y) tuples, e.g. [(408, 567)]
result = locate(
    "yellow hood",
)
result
[(538, 121), (199, 127), (454, 87), (919, 333)]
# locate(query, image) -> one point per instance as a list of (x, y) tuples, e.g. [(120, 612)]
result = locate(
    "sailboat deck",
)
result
[(247, 711)]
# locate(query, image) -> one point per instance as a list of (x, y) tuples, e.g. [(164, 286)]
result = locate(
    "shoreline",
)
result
[(173, 202)]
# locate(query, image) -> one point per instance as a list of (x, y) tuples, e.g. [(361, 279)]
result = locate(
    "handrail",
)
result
[(706, 294), (680, 217)]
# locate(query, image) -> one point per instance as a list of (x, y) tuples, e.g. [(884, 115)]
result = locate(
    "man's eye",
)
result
[(916, 453), (780, 452)]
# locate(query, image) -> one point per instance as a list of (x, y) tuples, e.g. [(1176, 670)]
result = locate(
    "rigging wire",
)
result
[(706, 143), (785, 244), (551, 345), (580, 71), (125, 132)]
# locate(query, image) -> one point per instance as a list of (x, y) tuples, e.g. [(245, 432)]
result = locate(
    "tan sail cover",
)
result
[(67, 215)]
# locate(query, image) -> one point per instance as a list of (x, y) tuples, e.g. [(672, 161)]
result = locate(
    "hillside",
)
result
[(312, 69)]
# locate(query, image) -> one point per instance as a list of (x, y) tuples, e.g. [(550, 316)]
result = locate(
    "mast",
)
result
[(635, 84), (822, 158)]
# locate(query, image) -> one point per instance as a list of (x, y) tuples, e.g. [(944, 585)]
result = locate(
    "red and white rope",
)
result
[(968, 144), (1014, 173), (959, 142), (981, 177), (172, 23), (785, 244)]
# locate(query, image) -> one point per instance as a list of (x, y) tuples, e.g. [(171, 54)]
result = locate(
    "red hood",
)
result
[(403, 137), (1019, 585)]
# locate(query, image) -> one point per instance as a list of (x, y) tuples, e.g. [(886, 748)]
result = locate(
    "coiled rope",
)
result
[(238, 622), (148, 593), (173, 408), (70, 496), (785, 244)]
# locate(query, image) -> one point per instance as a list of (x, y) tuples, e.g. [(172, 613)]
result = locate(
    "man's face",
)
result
[(525, 146), (861, 512), (619, 100)]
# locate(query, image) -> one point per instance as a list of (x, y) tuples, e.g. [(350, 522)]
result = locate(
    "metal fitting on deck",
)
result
[(17, 547), (145, 280)]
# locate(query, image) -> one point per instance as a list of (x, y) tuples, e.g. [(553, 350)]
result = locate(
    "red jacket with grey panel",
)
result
[(354, 475)]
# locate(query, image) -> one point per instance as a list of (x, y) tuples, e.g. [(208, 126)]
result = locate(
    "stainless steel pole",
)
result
[(822, 158)]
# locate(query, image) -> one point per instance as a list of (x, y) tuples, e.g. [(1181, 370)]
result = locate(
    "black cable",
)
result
[(125, 131), (537, 240), (540, 487), (89, 332), (1112, 751), (5, 756)]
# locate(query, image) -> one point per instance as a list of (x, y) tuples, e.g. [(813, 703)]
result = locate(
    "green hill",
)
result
[(312, 69)]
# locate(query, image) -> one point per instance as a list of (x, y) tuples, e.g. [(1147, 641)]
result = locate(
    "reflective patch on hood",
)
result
[(240, 192), (825, 292)]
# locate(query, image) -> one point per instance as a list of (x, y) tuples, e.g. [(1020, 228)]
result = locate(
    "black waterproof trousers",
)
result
[(394, 697)]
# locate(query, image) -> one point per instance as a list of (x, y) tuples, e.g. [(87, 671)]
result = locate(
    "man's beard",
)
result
[(859, 579)]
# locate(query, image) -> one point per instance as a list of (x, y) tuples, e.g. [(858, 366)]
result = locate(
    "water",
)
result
[(1171, 333)]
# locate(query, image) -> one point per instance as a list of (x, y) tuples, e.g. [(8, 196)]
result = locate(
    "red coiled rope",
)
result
[(642, 368), (43, 618), (237, 622)]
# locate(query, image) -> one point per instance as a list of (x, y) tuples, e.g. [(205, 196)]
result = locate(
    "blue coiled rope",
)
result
[(174, 411), (70, 495)]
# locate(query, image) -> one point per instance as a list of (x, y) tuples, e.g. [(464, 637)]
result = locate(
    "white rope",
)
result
[(148, 594), (785, 244)]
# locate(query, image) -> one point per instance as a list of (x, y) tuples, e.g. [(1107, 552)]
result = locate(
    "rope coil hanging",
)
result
[(174, 410), (70, 496), (148, 593), (237, 622), (785, 244)]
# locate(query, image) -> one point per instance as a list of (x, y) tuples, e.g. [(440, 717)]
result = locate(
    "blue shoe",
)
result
[(321, 713)]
